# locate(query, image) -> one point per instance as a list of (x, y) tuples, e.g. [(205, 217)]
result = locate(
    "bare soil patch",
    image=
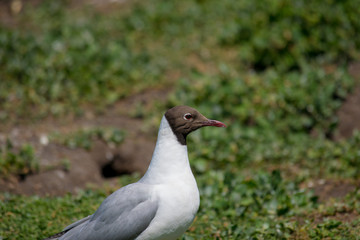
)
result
[(349, 113), (94, 166), (332, 188)]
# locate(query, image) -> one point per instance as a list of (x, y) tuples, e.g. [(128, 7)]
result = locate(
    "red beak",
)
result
[(213, 123)]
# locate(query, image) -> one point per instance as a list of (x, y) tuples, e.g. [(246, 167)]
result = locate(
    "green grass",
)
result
[(35, 217), (289, 34), (88, 58), (17, 161), (24, 217), (258, 206), (263, 206), (275, 72)]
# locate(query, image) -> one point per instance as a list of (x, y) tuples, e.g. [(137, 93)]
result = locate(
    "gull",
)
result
[(163, 203)]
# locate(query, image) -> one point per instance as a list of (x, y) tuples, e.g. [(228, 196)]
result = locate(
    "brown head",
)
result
[(183, 120)]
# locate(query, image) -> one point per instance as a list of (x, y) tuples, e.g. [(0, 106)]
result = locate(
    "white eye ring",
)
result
[(187, 116)]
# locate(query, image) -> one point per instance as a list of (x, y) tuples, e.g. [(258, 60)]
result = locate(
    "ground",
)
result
[(92, 166), (103, 162), (98, 165), (349, 113)]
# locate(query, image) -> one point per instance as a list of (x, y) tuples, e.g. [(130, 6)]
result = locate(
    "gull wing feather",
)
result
[(123, 215)]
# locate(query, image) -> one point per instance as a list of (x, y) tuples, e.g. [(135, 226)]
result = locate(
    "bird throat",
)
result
[(180, 137)]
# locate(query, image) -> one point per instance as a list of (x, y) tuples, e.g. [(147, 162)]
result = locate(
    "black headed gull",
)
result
[(163, 203)]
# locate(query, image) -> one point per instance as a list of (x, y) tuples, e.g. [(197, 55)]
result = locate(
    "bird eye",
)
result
[(187, 116)]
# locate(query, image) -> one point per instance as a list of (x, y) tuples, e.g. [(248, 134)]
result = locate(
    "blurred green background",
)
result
[(275, 71)]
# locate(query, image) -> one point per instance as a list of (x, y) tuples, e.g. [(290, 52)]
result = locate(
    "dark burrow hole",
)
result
[(116, 167)]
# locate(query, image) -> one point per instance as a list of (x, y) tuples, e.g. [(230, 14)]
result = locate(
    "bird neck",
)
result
[(170, 158)]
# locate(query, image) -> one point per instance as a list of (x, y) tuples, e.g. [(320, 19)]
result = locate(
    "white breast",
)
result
[(178, 205), (174, 186)]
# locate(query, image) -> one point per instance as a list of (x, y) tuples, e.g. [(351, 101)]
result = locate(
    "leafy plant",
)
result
[(289, 34), (36, 218), (236, 207), (19, 162), (56, 67), (292, 102)]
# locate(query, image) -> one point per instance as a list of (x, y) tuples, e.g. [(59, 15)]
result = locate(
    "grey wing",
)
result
[(124, 215), (77, 223)]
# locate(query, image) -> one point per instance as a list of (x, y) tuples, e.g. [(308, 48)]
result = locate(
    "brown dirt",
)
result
[(11, 9), (86, 167), (343, 216), (349, 116), (349, 113), (326, 189), (328, 192), (318, 218)]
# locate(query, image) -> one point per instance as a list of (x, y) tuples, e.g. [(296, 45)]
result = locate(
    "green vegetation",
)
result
[(274, 71), (288, 35), (65, 61), (264, 206), (24, 217), (252, 207), (84, 138), (35, 217), (21, 161), (270, 120)]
